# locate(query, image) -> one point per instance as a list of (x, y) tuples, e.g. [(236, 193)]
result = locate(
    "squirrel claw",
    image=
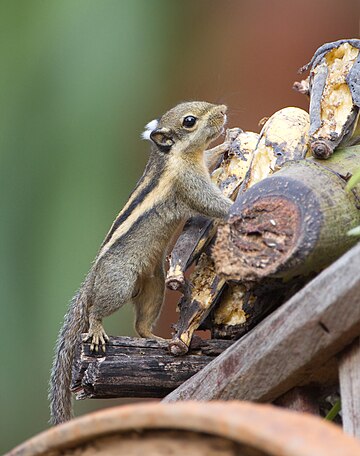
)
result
[(98, 339)]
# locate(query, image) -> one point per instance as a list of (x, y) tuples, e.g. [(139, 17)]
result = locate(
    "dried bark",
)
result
[(133, 367)]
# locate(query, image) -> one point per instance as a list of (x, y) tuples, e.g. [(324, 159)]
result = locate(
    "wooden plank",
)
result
[(349, 374), (134, 367), (279, 353)]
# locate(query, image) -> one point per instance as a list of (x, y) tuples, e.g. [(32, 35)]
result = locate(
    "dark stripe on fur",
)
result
[(154, 169), (134, 227)]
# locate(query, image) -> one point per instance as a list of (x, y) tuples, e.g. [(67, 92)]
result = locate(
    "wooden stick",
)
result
[(186, 250), (349, 373), (134, 367), (300, 336)]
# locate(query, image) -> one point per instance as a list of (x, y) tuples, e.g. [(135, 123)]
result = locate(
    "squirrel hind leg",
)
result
[(113, 287), (148, 304)]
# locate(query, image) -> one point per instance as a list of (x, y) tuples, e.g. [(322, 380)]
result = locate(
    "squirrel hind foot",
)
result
[(98, 338), (147, 334)]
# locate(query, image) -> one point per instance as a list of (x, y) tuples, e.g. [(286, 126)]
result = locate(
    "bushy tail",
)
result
[(75, 322)]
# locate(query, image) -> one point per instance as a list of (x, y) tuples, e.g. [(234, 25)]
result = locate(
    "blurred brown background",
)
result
[(78, 81)]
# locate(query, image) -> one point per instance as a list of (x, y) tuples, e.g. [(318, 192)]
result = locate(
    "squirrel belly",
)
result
[(130, 264)]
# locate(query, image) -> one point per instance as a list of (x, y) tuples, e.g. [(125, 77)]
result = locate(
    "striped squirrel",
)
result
[(129, 266)]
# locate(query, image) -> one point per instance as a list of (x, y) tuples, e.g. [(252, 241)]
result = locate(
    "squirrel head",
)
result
[(187, 127)]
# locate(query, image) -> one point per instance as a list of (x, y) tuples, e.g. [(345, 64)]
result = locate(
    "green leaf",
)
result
[(334, 411), (354, 231)]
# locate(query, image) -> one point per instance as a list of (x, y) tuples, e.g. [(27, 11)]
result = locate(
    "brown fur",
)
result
[(130, 264)]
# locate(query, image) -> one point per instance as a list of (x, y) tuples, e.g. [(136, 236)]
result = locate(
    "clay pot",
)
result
[(193, 428)]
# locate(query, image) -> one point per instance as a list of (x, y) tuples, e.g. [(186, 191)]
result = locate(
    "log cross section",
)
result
[(283, 349)]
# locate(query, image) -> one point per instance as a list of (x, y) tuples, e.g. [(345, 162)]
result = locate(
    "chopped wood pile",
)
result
[(292, 210), (282, 251)]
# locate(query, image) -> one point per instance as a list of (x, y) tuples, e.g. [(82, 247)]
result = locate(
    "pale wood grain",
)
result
[(349, 375)]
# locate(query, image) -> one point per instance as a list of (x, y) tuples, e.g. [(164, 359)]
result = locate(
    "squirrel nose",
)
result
[(223, 109)]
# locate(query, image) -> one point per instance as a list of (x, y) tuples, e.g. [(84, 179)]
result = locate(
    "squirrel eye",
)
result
[(189, 121)]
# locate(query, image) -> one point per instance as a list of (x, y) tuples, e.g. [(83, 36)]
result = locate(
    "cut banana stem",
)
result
[(284, 137), (292, 223), (334, 95)]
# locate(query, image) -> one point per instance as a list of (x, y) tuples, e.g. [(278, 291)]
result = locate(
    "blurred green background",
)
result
[(78, 81)]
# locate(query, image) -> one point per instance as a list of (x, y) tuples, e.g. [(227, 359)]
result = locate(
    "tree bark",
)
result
[(134, 367)]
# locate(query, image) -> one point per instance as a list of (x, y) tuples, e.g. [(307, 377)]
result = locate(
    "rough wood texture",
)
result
[(279, 353), (291, 223), (135, 367), (349, 373)]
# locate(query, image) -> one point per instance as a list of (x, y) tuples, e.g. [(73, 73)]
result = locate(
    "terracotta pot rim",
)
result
[(265, 427)]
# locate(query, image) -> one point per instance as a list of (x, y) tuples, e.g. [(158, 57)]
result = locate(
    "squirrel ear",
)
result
[(162, 137)]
